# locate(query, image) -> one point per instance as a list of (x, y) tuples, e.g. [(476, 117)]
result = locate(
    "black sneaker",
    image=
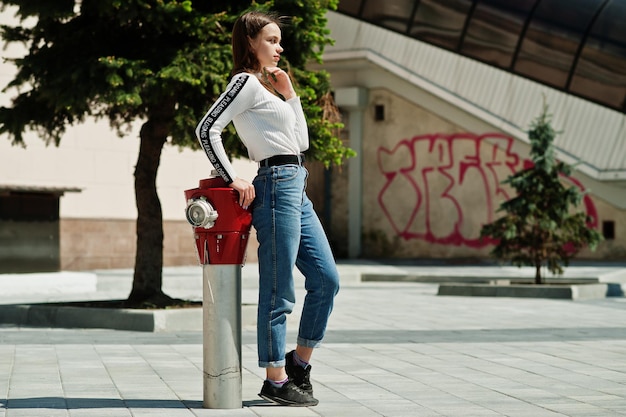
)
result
[(299, 375), (289, 394)]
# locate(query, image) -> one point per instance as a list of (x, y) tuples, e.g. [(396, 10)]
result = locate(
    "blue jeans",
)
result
[(290, 234)]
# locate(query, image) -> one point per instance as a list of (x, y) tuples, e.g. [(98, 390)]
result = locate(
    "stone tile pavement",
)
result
[(392, 349)]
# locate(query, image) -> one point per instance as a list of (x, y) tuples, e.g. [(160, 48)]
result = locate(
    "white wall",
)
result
[(93, 158)]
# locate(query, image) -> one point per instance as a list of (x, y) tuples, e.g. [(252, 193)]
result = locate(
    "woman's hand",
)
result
[(280, 80), (245, 190)]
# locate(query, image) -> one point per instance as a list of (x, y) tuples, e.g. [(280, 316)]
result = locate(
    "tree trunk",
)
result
[(148, 275), (538, 273)]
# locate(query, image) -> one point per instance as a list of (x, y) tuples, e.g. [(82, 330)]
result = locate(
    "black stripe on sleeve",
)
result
[(209, 121)]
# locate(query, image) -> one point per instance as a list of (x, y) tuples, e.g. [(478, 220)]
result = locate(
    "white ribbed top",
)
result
[(266, 125)]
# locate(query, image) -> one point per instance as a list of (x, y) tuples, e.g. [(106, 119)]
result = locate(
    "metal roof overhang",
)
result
[(6, 190), (594, 136)]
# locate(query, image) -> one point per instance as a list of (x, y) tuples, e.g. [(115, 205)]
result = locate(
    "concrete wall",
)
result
[(88, 244), (97, 224), (429, 185)]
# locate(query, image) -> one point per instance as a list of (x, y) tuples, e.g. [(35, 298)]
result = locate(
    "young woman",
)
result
[(262, 104)]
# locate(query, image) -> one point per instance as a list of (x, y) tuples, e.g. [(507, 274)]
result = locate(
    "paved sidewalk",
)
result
[(392, 349)]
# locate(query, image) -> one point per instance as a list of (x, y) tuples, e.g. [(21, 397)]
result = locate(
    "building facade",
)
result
[(435, 129), (436, 133)]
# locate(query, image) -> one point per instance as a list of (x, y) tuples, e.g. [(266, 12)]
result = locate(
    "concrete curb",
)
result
[(168, 320), (431, 279), (563, 291)]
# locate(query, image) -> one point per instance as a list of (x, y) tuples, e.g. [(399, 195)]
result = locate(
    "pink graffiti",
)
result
[(435, 177)]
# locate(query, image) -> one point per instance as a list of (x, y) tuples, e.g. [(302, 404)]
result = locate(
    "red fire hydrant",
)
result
[(221, 225), (221, 229)]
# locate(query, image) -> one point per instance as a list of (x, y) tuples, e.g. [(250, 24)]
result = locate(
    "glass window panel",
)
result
[(350, 7), (494, 30), (601, 71), (392, 14), (440, 22), (552, 39)]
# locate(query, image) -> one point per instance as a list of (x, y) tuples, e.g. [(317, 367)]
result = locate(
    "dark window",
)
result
[(350, 7), (494, 30), (379, 112), (440, 22), (553, 39), (29, 231), (29, 207), (608, 229), (600, 74), (391, 14)]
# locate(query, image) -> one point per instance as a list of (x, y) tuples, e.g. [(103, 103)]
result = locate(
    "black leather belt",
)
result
[(282, 160)]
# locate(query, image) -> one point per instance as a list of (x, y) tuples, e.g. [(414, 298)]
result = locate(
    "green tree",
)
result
[(541, 226), (162, 62)]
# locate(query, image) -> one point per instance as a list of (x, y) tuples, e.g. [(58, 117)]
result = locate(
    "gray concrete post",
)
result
[(221, 324)]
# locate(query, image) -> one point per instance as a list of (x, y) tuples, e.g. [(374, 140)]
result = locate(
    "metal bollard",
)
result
[(221, 229), (221, 326)]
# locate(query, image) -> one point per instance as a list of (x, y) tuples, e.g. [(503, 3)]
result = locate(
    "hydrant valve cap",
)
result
[(200, 213)]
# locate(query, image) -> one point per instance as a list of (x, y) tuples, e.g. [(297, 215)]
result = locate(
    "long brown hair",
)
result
[(248, 27)]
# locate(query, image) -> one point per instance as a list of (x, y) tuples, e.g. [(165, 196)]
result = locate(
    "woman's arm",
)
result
[(235, 100)]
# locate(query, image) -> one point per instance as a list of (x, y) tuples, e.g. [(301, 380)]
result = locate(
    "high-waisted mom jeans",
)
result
[(290, 234)]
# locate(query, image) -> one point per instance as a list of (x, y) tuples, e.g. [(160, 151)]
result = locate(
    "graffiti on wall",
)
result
[(443, 188)]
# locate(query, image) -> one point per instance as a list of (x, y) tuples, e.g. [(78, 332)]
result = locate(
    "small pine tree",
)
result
[(541, 225)]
